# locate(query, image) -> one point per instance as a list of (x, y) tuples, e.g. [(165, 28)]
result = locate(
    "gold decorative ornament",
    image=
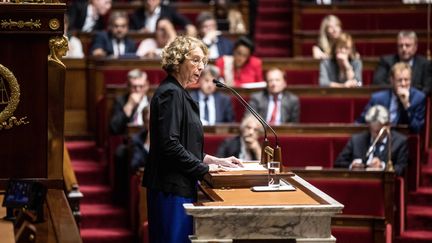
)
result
[(21, 24), (9, 96), (54, 24), (58, 48)]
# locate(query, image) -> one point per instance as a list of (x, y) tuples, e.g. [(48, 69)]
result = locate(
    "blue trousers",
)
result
[(167, 219)]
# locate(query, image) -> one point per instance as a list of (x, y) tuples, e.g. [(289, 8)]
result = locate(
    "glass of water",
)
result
[(273, 173)]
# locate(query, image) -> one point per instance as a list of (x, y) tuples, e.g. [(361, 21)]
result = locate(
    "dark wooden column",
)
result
[(31, 92)]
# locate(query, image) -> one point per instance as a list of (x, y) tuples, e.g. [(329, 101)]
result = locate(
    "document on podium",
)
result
[(248, 165)]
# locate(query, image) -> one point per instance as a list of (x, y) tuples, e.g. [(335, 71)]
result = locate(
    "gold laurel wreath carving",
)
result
[(13, 121), (20, 24), (15, 93)]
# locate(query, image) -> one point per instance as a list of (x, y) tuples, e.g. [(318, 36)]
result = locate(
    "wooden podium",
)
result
[(231, 211), (32, 108)]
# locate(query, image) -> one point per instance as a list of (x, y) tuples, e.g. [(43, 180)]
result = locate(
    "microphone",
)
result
[(387, 130), (277, 151), (371, 148)]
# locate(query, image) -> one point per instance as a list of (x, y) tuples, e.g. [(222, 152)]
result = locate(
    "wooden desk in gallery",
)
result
[(6, 227), (233, 212)]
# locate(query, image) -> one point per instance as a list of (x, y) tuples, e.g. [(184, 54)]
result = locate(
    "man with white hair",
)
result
[(355, 154), (246, 146)]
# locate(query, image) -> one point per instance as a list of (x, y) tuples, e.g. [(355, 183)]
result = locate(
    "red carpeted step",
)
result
[(426, 176), (414, 236), (276, 3), (272, 52), (419, 217), (106, 235), (89, 172), (281, 27), (103, 215), (96, 194), (422, 197), (83, 150)]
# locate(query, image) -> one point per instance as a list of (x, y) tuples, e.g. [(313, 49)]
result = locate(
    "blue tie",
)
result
[(206, 110)]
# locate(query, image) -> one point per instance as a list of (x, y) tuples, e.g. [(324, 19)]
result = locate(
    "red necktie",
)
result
[(275, 109)]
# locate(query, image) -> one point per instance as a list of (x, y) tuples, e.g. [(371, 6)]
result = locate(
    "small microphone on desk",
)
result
[(372, 146), (277, 151), (384, 129)]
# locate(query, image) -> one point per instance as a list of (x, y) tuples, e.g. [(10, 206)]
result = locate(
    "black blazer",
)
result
[(138, 18), (359, 143), (224, 108), (104, 40), (139, 153), (77, 14), (421, 72), (229, 147), (176, 142)]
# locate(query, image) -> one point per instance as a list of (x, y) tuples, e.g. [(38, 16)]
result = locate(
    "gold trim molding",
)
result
[(9, 96), (21, 24), (58, 48)]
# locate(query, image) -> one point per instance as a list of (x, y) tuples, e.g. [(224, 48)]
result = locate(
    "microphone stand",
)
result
[(277, 155), (386, 129)]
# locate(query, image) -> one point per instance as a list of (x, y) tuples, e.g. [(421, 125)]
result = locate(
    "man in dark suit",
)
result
[(144, 19), (114, 42), (246, 146), (359, 152), (275, 104), (405, 103), (407, 48), (218, 45), (128, 108), (87, 16), (215, 107)]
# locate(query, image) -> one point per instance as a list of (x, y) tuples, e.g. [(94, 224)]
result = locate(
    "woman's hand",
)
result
[(230, 162)]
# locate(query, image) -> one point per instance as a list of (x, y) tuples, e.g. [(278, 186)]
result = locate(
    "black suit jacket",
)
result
[(176, 142), (119, 119), (421, 72), (138, 18), (229, 147), (359, 143), (224, 45), (77, 14), (139, 153), (104, 40), (224, 108)]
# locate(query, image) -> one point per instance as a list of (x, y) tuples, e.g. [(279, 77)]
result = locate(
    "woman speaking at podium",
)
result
[(176, 158)]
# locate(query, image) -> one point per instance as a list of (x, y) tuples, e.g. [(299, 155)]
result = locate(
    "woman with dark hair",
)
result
[(242, 67)]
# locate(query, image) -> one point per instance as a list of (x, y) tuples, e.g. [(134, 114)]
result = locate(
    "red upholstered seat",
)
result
[(302, 77), (368, 198), (213, 141), (325, 110)]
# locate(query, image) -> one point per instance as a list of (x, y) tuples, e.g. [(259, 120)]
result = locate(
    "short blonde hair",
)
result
[(400, 66), (344, 40), (377, 114), (175, 52)]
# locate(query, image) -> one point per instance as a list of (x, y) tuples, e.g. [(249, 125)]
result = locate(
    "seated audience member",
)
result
[(354, 154), (215, 107), (152, 47), (407, 49), (246, 146), (330, 30), (127, 108), (344, 68), (75, 49), (406, 104), (144, 19), (212, 37), (241, 68), (88, 16), (229, 18), (275, 104), (114, 42), (141, 143)]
